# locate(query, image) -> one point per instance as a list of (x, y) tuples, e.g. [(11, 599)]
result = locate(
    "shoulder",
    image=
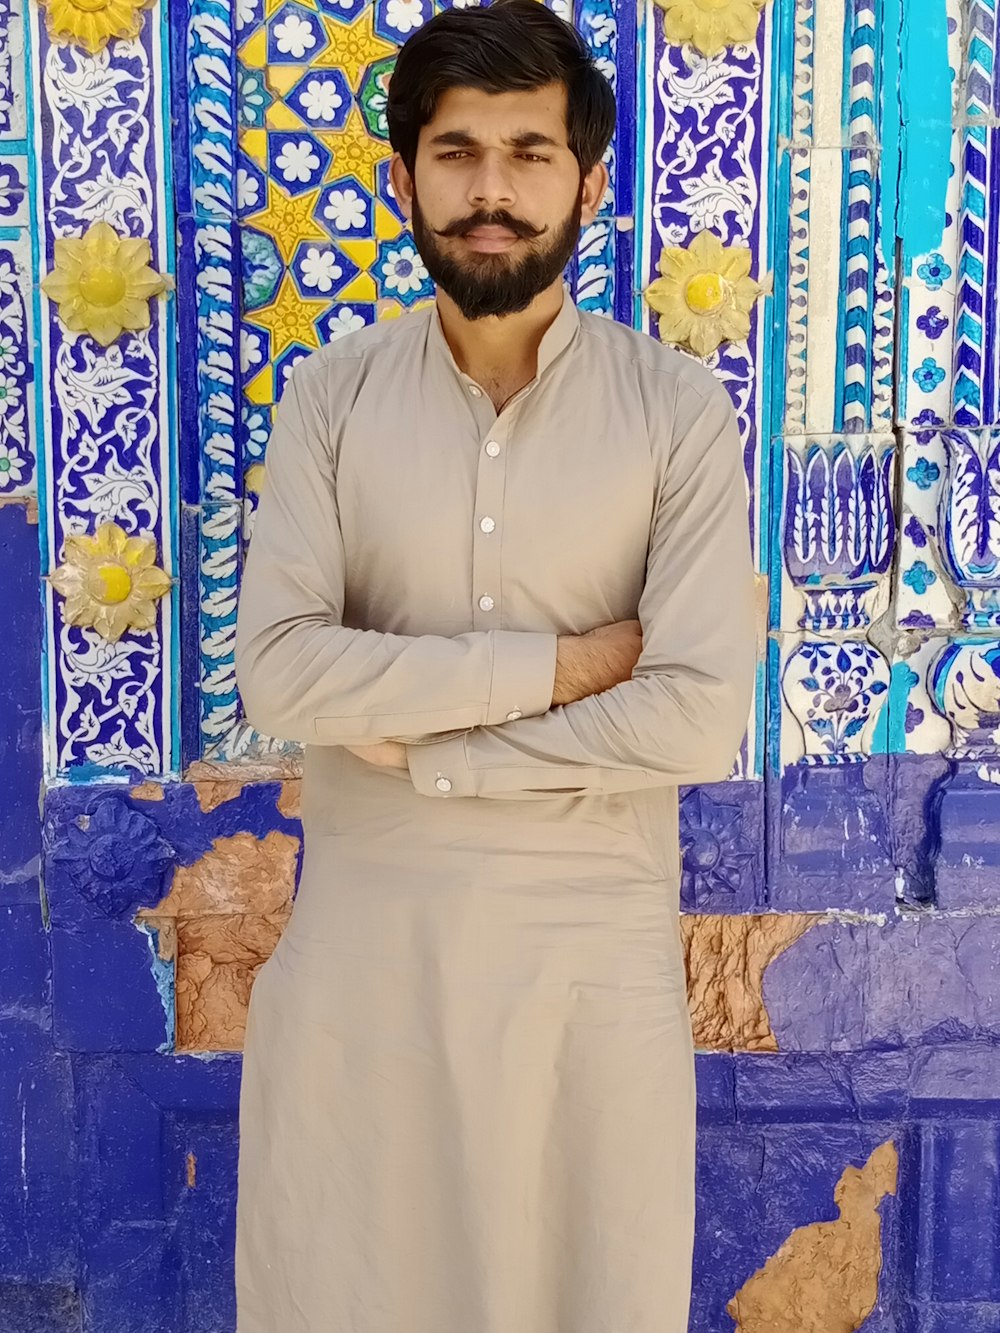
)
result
[(676, 391), (351, 354), (650, 359)]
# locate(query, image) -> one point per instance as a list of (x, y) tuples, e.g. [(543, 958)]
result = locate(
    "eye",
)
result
[(458, 152), (534, 157)]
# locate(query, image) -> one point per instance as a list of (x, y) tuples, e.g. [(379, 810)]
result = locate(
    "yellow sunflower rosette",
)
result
[(91, 24), (711, 25), (110, 581), (705, 295), (103, 282)]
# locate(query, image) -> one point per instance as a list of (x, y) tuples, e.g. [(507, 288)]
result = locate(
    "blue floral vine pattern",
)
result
[(17, 461)]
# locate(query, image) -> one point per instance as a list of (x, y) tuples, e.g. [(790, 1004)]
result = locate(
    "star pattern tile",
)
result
[(354, 48), (355, 152), (290, 318), (295, 318), (288, 220)]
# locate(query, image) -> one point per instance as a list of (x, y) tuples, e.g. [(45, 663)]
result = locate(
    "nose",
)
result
[(491, 186)]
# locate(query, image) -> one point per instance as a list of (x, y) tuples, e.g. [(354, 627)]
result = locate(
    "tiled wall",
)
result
[(841, 891)]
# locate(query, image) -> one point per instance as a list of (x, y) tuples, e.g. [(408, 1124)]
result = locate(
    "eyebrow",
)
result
[(462, 139)]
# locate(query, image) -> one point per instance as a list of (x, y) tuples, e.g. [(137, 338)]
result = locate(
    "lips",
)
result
[(490, 240), (491, 234)]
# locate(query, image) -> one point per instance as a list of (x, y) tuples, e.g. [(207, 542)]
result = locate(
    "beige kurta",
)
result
[(468, 1093)]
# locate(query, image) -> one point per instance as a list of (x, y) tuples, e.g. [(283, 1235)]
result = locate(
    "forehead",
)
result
[(496, 117)]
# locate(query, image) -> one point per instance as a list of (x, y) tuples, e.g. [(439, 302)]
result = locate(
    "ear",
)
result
[(595, 186), (402, 185)]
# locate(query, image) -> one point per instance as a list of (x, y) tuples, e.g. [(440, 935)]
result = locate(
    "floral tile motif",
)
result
[(12, 70), (834, 693), (17, 458), (837, 532), (706, 153), (949, 567)]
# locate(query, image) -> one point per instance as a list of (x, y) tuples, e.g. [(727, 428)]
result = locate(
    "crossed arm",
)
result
[(673, 713)]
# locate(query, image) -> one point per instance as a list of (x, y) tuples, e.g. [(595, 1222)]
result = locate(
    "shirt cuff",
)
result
[(441, 769), (524, 676)]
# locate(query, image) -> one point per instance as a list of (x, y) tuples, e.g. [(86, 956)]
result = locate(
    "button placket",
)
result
[(487, 530)]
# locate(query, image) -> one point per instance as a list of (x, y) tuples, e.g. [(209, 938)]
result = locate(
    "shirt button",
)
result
[(476, 392), (486, 603), (492, 448), (513, 715), (443, 784), (487, 524)]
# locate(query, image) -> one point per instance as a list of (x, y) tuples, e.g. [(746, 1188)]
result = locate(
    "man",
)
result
[(500, 587)]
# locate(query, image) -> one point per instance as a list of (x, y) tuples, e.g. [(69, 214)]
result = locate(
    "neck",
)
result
[(499, 343)]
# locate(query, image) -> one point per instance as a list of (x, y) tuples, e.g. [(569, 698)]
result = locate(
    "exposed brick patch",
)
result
[(824, 1278), (726, 958), (219, 923)]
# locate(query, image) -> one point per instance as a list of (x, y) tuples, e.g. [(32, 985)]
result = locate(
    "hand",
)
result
[(383, 754), (589, 663)]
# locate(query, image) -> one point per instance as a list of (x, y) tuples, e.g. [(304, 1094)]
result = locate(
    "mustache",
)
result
[(520, 228)]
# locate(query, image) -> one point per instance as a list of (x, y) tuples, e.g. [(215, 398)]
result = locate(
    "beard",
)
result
[(497, 284)]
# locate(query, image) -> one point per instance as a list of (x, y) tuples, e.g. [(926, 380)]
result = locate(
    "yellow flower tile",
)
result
[(110, 581), (91, 25), (102, 283)]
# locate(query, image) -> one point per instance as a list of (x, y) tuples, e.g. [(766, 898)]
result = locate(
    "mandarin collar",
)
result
[(556, 338)]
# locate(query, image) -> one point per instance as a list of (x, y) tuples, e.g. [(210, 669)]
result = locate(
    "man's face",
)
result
[(497, 198)]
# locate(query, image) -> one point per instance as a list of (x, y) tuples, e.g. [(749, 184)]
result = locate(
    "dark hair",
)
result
[(503, 47)]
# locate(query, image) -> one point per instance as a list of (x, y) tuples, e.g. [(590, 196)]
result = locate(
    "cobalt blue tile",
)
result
[(104, 994), (195, 1085), (915, 785), (188, 424), (24, 960), (180, 104), (919, 1318), (829, 844), (42, 1308), (721, 828), (206, 1153), (792, 1088), (716, 1096), (960, 1080), (37, 1158), (880, 1080), (968, 817), (729, 1215), (105, 856), (755, 1188), (132, 1282), (959, 1184), (624, 268), (625, 130), (20, 705), (126, 1183)]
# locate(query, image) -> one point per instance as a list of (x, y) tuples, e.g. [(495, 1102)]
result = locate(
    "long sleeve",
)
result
[(301, 673), (681, 717)]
